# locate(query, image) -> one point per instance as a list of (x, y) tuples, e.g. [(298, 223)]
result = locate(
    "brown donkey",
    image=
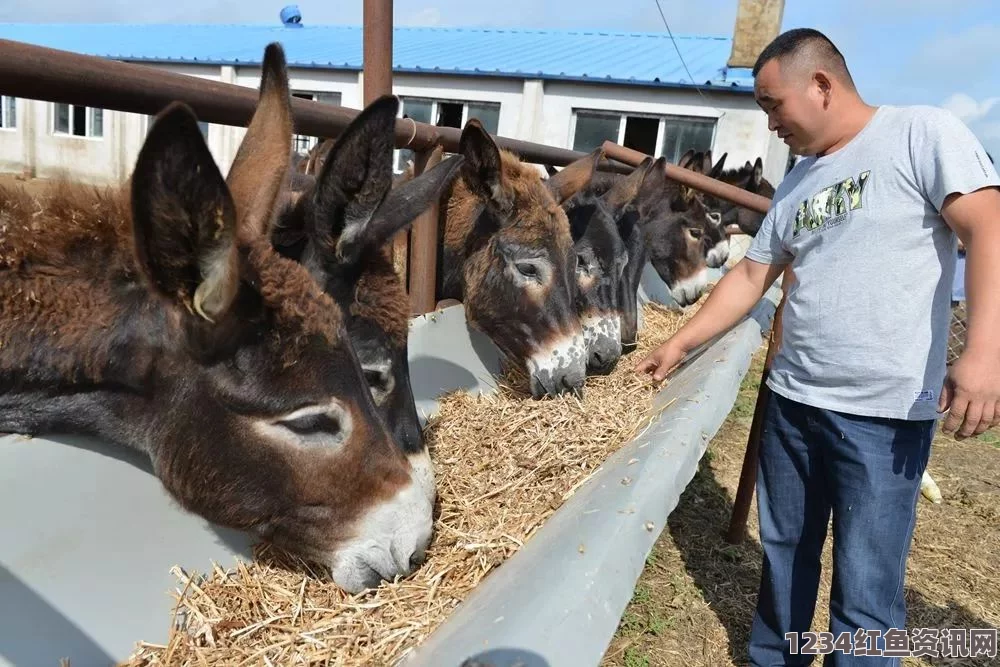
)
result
[(161, 318), (749, 177), (340, 228), (508, 257)]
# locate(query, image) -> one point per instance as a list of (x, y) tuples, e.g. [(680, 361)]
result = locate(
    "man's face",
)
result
[(794, 103)]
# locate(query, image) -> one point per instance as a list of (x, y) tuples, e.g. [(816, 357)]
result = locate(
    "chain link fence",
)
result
[(956, 334)]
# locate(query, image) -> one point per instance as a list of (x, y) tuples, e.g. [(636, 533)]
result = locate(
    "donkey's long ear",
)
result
[(625, 190), (183, 217), (574, 177), (687, 159), (401, 206), (356, 175), (261, 165), (716, 171), (481, 171), (655, 187)]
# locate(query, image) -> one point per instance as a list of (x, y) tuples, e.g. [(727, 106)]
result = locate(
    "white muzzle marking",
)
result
[(389, 535)]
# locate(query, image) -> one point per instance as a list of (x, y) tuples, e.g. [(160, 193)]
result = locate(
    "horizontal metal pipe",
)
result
[(693, 179), (52, 75)]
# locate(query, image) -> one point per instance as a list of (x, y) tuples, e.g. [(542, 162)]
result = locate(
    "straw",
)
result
[(503, 463)]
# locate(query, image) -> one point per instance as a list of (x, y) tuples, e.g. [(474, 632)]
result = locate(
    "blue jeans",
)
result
[(867, 471)]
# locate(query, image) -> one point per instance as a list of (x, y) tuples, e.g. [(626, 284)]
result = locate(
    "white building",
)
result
[(566, 89)]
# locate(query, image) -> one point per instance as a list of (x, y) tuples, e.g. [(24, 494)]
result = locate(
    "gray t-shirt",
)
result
[(865, 325)]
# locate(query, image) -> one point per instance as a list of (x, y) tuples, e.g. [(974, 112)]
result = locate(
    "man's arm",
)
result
[(972, 390), (731, 299)]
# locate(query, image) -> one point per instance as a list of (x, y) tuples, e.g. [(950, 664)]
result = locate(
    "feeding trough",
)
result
[(86, 561)]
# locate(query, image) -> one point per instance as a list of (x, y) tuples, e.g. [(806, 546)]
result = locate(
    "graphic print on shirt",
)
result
[(830, 206)]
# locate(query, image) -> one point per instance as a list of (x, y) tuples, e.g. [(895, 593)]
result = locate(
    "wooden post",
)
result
[(748, 475)]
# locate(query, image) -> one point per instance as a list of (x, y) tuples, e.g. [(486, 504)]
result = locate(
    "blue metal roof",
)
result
[(648, 59)]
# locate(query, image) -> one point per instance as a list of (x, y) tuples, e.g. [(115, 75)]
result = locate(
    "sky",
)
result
[(940, 52)]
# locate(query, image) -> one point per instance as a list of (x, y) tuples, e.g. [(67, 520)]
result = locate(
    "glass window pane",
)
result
[(593, 129), (329, 98), (10, 112), (420, 111), (79, 121), (97, 122), (487, 113), (61, 118), (682, 134)]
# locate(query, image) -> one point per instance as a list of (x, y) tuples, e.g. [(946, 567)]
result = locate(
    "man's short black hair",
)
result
[(796, 42)]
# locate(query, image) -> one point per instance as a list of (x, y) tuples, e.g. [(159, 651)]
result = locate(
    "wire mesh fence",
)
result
[(956, 333)]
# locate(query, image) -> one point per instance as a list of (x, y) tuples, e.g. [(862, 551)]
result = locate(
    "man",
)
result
[(867, 221)]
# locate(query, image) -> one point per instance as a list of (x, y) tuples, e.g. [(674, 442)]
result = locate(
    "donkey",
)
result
[(601, 257), (339, 228), (159, 317), (678, 234), (749, 177), (508, 256), (714, 238)]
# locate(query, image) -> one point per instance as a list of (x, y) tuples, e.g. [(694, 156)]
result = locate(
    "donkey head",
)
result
[(749, 177), (340, 230), (620, 199), (226, 363), (506, 230), (714, 238), (601, 258), (675, 227)]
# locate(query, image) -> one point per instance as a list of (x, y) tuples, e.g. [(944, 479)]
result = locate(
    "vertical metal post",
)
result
[(423, 244), (748, 475), (377, 48)]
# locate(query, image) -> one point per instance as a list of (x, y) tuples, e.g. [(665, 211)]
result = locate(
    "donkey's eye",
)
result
[(528, 270), (694, 232), (320, 422)]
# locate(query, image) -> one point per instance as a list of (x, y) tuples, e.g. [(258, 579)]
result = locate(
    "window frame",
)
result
[(5, 123), (397, 166), (623, 117), (307, 140), (88, 122)]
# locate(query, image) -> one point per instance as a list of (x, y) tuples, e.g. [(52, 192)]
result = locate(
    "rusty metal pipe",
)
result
[(52, 75), (377, 59), (377, 49), (423, 244), (692, 179)]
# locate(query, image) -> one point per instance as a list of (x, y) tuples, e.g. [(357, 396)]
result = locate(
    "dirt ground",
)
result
[(694, 602)]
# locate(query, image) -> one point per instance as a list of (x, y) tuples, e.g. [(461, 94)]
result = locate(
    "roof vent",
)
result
[(291, 17)]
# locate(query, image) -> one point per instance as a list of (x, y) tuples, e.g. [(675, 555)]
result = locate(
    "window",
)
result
[(682, 134), (446, 113), (8, 112), (78, 121), (668, 136), (304, 143)]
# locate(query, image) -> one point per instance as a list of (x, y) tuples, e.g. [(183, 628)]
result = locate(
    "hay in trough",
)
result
[(504, 464)]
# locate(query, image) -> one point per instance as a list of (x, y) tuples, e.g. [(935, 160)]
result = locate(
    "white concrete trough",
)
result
[(88, 535)]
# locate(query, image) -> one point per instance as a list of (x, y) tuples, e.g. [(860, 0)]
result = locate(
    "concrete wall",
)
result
[(531, 110)]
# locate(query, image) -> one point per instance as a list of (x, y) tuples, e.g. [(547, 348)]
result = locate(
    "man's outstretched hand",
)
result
[(661, 361)]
